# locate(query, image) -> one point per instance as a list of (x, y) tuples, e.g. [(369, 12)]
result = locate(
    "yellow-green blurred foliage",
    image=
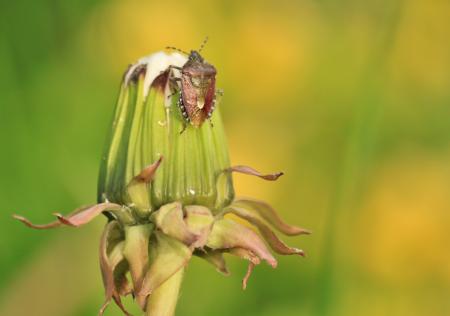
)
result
[(351, 99)]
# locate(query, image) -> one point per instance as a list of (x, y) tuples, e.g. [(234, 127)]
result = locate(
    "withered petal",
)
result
[(53, 224), (271, 238), (86, 215), (268, 213), (137, 189), (247, 255), (136, 251), (106, 270), (118, 302), (250, 171), (110, 257), (199, 220), (24, 220), (228, 234), (148, 173), (122, 285), (214, 257), (169, 219), (170, 255), (250, 268)]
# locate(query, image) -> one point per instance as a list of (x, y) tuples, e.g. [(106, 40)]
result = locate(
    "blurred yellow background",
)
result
[(350, 99)]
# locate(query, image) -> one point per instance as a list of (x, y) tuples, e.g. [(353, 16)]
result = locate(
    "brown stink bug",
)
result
[(197, 86)]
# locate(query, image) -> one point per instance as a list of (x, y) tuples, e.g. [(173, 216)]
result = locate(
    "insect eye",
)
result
[(196, 81)]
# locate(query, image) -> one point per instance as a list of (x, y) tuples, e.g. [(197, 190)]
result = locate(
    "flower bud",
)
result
[(165, 185), (148, 126)]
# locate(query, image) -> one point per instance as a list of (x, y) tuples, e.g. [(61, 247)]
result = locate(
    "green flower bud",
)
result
[(148, 125)]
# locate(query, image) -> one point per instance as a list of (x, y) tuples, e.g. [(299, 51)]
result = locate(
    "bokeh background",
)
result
[(350, 98)]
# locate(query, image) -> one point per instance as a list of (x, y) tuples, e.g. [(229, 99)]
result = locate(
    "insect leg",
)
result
[(173, 85), (182, 108), (213, 106), (184, 113), (175, 91), (217, 96), (174, 67), (184, 127)]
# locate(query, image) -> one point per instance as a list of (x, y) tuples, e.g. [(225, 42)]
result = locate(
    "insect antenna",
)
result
[(203, 44), (177, 49)]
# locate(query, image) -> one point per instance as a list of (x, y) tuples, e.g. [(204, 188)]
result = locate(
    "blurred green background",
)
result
[(351, 99)]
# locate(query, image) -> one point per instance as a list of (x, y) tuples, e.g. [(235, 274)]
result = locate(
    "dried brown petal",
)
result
[(275, 243), (227, 234), (268, 213), (53, 224), (250, 171), (214, 257), (76, 218), (199, 219), (247, 255), (86, 215), (250, 268), (137, 189), (123, 287), (148, 173), (110, 253), (169, 219)]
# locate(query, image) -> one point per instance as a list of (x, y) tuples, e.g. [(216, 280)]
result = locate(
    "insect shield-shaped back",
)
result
[(197, 86), (198, 89)]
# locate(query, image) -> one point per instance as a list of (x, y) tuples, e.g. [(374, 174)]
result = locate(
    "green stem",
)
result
[(163, 301)]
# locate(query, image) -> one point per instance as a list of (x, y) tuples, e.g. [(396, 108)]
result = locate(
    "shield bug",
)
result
[(197, 86)]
